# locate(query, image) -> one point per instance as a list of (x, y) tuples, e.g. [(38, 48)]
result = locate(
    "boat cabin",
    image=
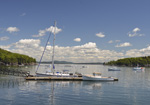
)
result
[(97, 74), (65, 71)]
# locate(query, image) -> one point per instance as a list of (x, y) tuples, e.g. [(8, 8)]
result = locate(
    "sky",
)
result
[(87, 30)]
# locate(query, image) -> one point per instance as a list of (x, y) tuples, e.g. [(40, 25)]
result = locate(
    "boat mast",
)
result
[(52, 67)]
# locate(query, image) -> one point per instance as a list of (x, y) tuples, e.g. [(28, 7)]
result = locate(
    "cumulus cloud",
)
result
[(135, 33), (77, 39), (136, 29), (50, 29), (145, 49), (87, 52), (30, 43), (126, 44), (89, 45), (4, 38), (6, 47), (138, 52), (100, 34), (12, 29)]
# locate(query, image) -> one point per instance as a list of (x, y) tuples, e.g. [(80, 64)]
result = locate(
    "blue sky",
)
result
[(91, 30)]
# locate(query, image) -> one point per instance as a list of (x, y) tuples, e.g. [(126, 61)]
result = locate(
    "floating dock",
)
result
[(58, 78)]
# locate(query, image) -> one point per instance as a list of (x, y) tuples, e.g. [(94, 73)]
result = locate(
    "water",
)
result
[(133, 88)]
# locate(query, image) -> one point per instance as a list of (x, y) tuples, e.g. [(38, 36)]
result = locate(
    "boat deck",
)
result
[(54, 78)]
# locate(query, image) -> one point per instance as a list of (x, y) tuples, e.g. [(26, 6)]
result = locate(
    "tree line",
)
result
[(9, 58), (141, 61)]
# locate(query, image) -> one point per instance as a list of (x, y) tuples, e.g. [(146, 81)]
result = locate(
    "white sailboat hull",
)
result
[(52, 74), (43, 74)]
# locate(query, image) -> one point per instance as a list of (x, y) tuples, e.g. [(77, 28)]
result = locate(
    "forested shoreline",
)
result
[(141, 61), (9, 58)]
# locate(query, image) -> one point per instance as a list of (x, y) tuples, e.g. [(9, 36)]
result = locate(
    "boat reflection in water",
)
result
[(92, 84)]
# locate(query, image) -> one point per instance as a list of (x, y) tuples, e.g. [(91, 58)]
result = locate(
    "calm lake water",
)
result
[(133, 88)]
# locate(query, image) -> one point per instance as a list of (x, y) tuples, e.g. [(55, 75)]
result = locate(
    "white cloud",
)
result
[(12, 29), (84, 53), (6, 47), (4, 38), (111, 41), (88, 52), (100, 34), (77, 39), (138, 52), (145, 49), (41, 33), (23, 14), (30, 43), (136, 29), (50, 29), (89, 45), (126, 44), (53, 29), (135, 33)]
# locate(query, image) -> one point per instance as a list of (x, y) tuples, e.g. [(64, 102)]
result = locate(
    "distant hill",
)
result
[(9, 58), (65, 62), (141, 61), (56, 62)]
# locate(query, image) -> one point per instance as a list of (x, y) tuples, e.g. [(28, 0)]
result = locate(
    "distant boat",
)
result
[(138, 68), (114, 69), (97, 77)]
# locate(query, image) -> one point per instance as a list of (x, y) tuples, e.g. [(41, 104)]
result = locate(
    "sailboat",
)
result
[(64, 73)]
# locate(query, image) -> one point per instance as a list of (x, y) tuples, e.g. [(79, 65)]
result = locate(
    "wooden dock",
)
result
[(58, 78), (55, 78)]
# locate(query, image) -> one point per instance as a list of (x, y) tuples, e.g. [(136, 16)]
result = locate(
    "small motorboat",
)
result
[(114, 69), (139, 68), (97, 77)]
